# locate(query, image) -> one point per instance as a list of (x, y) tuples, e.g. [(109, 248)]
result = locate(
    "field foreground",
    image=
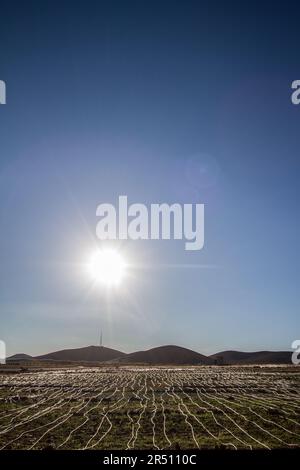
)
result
[(151, 408)]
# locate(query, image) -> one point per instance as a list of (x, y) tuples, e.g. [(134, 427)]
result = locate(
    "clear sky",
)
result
[(138, 98)]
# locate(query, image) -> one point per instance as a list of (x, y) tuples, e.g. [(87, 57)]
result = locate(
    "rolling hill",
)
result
[(89, 354), (170, 354), (20, 357), (258, 357), (165, 355)]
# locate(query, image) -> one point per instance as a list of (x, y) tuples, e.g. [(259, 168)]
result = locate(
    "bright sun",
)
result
[(108, 267)]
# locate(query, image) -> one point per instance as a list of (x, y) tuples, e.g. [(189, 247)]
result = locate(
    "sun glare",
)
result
[(107, 267)]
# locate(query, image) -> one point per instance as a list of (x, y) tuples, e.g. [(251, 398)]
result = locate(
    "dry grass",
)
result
[(151, 408)]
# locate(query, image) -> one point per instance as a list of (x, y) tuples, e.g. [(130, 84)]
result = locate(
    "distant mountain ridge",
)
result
[(169, 354), (20, 357), (257, 357), (89, 354)]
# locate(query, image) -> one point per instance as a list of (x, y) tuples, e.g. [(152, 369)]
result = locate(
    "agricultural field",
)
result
[(151, 408)]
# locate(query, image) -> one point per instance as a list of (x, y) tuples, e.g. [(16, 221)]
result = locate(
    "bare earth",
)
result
[(151, 408)]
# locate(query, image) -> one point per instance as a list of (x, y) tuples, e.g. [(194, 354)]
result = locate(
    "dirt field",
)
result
[(151, 408)]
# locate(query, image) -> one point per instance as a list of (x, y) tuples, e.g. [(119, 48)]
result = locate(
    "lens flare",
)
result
[(107, 267)]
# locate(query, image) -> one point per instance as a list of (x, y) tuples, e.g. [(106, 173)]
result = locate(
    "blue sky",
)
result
[(111, 98)]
